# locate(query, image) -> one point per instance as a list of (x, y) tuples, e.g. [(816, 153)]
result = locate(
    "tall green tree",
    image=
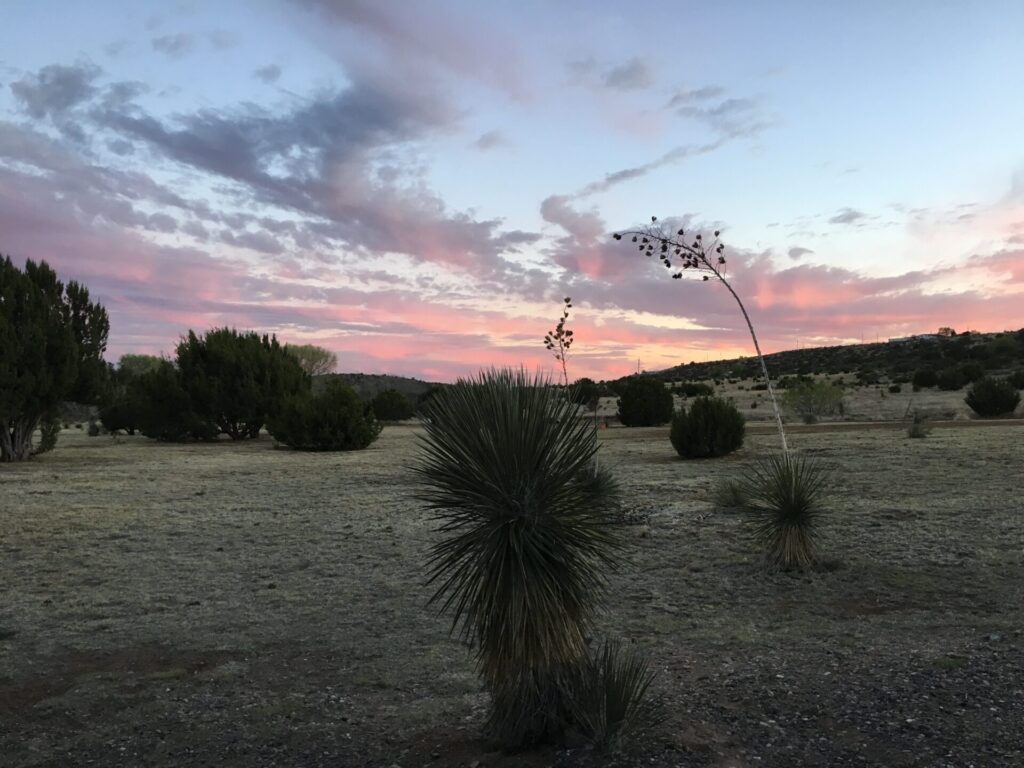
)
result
[(52, 339), (236, 381)]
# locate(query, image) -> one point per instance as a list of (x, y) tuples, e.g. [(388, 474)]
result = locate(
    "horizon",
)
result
[(417, 189)]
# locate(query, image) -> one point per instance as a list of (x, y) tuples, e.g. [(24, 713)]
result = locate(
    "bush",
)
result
[(334, 420), (94, 430), (608, 696), (123, 404), (950, 379), (971, 372), (1016, 379), (585, 392), (919, 427), (392, 405), (644, 402), (694, 389), (236, 381), (528, 540), (895, 389), (989, 397), (166, 412), (49, 431), (711, 427), (783, 502), (729, 494), (925, 377), (810, 400)]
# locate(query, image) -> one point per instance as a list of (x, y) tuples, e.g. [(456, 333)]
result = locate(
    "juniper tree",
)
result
[(52, 339)]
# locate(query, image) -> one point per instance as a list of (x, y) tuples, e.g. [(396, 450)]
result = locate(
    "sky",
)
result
[(416, 186)]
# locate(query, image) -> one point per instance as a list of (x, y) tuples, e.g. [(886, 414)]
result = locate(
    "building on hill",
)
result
[(915, 337)]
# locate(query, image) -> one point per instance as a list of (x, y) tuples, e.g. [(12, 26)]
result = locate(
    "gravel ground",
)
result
[(236, 605)]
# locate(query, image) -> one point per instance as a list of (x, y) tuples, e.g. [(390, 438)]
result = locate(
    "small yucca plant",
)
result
[(610, 698), (729, 493), (783, 499), (529, 536)]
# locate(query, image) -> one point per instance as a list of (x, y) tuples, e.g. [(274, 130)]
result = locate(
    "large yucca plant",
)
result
[(783, 497), (529, 534)]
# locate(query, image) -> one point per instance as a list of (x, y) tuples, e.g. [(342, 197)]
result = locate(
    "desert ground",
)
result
[(231, 604)]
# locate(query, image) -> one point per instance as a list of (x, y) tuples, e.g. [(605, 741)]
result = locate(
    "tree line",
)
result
[(223, 382)]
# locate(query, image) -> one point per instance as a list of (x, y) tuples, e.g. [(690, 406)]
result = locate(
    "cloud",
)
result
[(55, 89), (418, 40), (732, 117), (848, 216), (797, 252), (268, 74), (675, 155), (490, 140), (629, 76), (174, 46), (688, 97)]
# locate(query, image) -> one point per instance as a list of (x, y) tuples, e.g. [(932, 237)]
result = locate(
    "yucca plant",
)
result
[(610, 698), (529, 536), (783, 499)]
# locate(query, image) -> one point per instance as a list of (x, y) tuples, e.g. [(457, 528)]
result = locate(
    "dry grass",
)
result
[(237, 605)]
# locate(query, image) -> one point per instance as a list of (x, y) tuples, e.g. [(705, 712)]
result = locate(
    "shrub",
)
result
[(585, 392), (1016, 379), (333, 420), (123, 404), (528, 540), (694, 389), (989, 397), (608, 696), (236, 381), (971, 372), (392, 405), (166, 411), (710, 427), (810, 400), (895, 389), (729, 494), (925, 377), (950, 379), (919, 427), (94, 429), (49, 431), (784, 502), (644, 402)]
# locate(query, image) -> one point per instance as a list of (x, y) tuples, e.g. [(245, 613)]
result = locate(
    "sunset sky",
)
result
[(417, 185)]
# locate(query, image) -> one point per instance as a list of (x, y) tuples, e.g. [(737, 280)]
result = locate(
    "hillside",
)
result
[(897, 358), (367, 385)]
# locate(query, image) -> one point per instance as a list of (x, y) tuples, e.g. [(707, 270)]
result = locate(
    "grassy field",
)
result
[(236, 605)]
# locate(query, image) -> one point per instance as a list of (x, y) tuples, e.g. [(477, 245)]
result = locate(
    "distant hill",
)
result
[(897, 358), (368, 385)]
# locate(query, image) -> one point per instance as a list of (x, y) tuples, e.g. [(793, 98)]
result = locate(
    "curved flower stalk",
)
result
[(680, 253)]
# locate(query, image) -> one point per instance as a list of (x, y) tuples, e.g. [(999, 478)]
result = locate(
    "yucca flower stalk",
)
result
[(559, 340), (528, 531), (680, 253)]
